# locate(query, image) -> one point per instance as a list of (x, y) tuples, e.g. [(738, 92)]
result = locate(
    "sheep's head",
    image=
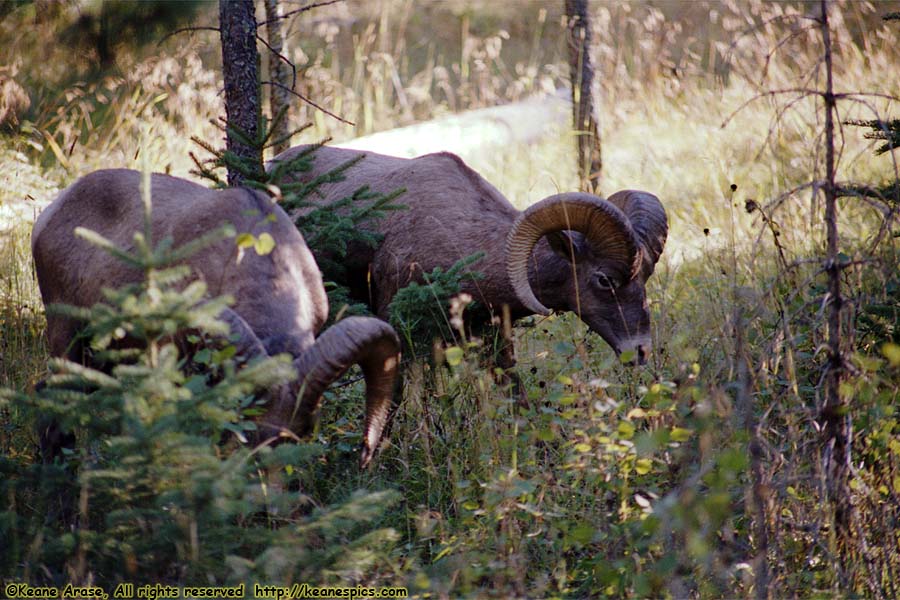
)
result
[(293, 407), (366, 341), (614, 244)]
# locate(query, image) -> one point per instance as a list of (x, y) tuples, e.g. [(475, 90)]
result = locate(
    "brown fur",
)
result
[(444, 196), (280, 294), (279, 299), (452, 213)]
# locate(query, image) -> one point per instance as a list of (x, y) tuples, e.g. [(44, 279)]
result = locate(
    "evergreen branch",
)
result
[(98, 240)]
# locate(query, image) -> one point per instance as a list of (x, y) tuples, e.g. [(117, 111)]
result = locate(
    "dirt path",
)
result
[(473, 133)]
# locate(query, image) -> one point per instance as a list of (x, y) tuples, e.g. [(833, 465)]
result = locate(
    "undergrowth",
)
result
[(157, 487)]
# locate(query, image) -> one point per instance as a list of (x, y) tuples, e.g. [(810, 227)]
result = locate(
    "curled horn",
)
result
[(366, 341), (649, 222), (605, 227)]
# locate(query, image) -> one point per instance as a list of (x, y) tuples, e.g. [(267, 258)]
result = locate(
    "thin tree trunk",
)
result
[(836, 410), (240, 65), (279, 96), (105, 53), (581, 70), (836, 429), (760, 491)]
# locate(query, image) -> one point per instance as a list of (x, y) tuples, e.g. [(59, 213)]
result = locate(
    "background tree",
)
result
[(102, 27), (836, 410), (581, 69), (240, 66), (279, 92)]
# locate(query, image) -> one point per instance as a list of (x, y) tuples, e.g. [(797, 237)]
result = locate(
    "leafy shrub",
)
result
[(330, 230), (419, 311), (161, 486)]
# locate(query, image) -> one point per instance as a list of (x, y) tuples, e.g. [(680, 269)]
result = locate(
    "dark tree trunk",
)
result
[(836, 412), (240, 65), (279, 96), (836, 409), (581, 73), (104, 48)]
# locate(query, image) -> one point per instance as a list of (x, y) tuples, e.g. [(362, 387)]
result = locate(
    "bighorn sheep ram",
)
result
[(280, 302), (594, 259)]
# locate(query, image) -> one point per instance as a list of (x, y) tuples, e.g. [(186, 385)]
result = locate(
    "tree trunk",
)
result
[(838, 424), (834, 411), (105, 53), (240, 66), (279, 96), (581, 71)]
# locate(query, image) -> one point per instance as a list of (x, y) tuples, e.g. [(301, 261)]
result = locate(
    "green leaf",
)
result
[(582, 533), (680, 434), (546, 435), (643, 466), (892, 353), (454, 355), (244, 240), (203, 356), (224, 354), (894, 445), (264, 244), (626, 430), (567, 399)]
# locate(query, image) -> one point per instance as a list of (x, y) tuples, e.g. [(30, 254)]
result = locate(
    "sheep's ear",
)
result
[(568, 243), (281, 343)]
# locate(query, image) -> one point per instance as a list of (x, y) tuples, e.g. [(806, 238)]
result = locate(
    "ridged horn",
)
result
[(366, 341), (605, 227), (649, 222)]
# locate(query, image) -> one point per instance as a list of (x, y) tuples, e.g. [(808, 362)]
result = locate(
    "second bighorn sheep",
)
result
[(569, 252), (280, 302)]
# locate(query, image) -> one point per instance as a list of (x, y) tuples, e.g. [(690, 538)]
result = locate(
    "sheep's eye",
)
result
[(605, 282)]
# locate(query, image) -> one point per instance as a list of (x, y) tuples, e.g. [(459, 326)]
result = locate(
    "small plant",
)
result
[(160, 485), (329, 230), (887, 131), (419, 311)]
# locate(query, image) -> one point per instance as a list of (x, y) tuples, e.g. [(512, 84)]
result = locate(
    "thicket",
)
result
[(335, 229), (160, 477), (160, 485)]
